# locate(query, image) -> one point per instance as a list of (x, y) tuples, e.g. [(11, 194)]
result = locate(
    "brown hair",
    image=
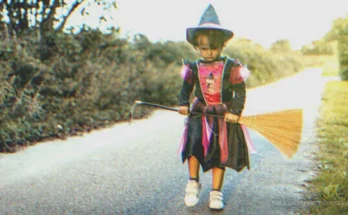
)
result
[(217, 38)]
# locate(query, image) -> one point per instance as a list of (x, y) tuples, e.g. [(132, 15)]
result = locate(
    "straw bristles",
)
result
[(283, 128)]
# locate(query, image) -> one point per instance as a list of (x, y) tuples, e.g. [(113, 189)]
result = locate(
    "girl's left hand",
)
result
[(229, 117)]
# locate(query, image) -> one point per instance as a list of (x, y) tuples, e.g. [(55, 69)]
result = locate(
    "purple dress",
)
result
[(218, 88)]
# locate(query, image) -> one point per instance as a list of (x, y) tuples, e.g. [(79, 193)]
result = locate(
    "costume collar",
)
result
[(221, 58)]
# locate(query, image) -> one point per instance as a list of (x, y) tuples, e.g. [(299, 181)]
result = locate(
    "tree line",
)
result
[(339, 33)]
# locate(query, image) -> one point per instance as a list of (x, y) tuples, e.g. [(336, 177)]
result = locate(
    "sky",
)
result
[(262, 21)]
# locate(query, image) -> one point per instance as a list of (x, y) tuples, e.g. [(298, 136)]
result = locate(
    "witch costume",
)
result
[(219, 87)]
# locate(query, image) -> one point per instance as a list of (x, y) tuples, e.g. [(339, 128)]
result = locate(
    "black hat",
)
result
[(209, 20)]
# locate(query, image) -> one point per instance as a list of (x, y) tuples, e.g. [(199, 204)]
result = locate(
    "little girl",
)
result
[(211, 142)]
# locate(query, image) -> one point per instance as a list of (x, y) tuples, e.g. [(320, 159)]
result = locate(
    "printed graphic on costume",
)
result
[(210, 82)]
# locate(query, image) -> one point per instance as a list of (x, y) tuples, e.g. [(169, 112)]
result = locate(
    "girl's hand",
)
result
[(229, 117), (183, 110)]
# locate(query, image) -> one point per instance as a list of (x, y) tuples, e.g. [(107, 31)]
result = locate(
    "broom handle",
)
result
[(156, 105), (174, 109)]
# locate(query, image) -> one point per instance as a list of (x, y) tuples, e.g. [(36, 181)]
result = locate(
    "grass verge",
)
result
[(329, 190)]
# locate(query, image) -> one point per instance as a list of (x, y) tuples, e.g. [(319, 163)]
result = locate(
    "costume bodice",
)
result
[(210, 78), (216, 82)]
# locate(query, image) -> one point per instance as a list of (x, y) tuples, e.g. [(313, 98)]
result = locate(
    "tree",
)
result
[(338, 26), (281, 46), (46, 16), (339, 32), (319, 47)]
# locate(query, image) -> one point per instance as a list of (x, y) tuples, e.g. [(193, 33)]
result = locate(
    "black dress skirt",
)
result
[(238, 156)]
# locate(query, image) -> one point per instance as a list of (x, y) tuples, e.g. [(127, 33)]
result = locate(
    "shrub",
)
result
[(344, 74), (91, 80)]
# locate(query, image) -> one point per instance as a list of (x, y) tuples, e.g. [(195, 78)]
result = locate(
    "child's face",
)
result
[(208, 53)]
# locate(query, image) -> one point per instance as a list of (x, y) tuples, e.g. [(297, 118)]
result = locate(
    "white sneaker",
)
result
[(192, 191), (216, 200)]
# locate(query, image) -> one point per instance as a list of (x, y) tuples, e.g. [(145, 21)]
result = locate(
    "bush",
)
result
[(344, 74), (91, 80), (265, 65)]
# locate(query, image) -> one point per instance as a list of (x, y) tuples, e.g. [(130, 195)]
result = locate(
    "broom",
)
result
[(283, 129)]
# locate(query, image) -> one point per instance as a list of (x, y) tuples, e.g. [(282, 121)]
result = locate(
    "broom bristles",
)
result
[(283, 128)]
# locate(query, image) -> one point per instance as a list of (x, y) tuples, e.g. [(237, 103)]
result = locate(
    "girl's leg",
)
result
[(193, 166), (218, 178)]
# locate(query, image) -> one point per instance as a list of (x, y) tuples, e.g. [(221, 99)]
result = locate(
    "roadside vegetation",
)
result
[(328, 191), (90, 80), (56, 82)]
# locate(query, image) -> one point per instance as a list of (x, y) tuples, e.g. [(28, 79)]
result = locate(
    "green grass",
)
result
[(330, 187)]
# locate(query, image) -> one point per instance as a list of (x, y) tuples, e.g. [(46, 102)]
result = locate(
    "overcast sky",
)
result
[(263, 21)]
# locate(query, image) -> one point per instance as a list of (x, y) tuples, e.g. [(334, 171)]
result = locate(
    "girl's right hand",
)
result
[(183, 110)]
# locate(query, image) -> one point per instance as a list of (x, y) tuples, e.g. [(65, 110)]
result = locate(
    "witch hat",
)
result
[(209, 20)]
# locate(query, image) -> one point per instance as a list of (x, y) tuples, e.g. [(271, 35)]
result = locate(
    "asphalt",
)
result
[(135, 168)]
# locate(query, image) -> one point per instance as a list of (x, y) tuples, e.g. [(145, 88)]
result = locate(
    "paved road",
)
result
[(135, 169)]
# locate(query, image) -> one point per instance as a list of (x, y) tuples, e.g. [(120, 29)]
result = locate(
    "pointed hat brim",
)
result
[(209, 20), (191, 31)]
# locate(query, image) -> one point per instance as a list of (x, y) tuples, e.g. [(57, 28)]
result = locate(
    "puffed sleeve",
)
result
[(187, 85), (237, 73), (237, 78)]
